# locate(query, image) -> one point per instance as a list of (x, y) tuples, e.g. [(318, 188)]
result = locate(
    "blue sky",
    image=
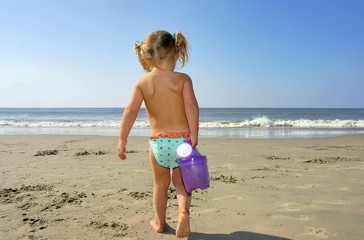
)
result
[(243, 53)]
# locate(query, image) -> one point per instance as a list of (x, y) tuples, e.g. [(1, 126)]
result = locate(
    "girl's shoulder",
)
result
[(182, 76)]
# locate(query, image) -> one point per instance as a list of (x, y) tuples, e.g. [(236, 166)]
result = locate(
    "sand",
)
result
[(75, 187)]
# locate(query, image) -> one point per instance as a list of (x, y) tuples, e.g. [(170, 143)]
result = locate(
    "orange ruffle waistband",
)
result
[(170, 135)]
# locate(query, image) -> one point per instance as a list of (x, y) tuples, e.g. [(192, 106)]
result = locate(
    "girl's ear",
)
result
[(148, 63)]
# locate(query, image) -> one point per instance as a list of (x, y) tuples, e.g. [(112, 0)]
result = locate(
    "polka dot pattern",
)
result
[(164, 148)]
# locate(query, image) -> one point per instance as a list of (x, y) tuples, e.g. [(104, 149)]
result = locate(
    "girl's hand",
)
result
[(194, 140), (122, 149)]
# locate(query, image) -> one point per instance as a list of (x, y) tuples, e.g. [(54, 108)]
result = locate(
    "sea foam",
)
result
[(301, 123), (263, 122)]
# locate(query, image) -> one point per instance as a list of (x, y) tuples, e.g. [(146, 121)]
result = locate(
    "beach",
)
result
[(75, 187)]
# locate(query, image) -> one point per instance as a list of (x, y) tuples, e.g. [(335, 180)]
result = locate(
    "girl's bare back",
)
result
[(163, 96)]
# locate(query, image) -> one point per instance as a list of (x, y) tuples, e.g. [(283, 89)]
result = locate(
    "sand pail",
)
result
[(193, 166)]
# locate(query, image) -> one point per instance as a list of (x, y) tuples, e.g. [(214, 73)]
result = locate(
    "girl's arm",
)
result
[(191, 110), (130, 114)]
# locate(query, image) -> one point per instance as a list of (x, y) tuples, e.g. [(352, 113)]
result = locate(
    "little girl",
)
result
[(173, 114)]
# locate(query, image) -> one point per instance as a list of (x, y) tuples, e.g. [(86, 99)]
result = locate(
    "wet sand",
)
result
[(75, 187)]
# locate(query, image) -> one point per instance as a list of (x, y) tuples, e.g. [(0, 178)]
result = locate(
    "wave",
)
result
[(300, 123), (65, 124), (256, 122)]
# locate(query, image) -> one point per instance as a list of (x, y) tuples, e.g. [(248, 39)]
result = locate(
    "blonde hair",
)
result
[(159, 45)]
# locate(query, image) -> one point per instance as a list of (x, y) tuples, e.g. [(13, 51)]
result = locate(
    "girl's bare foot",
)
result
[(157, 226), (183, 228)]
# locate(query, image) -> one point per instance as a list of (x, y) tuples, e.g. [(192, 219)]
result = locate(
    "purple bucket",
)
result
[(194, 171)]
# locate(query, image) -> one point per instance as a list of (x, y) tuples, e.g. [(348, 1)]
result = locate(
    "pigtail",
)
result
[(159, 45), (138, 50), (181, 47)]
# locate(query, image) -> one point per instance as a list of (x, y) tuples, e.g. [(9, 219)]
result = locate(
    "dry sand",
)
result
[(75, 187)]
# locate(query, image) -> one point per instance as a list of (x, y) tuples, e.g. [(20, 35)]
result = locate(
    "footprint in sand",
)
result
[(46, 153), (132, 151), (10, 195), (328, 160), (139, 195), (291, 206), (84, 153), (224, 179), (64, 199), (119, 228), (273, 157), (35, 223)]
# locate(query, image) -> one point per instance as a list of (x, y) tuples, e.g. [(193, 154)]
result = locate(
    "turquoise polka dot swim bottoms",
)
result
[(164, 146)]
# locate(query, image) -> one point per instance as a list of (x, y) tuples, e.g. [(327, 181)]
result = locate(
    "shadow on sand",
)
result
[(232, 236)]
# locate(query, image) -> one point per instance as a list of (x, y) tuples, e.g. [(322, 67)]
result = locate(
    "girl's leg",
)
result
[(184, 202), (162, 180)]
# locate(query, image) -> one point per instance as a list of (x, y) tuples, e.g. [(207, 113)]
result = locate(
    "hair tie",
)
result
[(173, 35), (141, 42)]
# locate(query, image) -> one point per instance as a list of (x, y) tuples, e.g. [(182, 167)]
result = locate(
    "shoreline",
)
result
[(260, 188), (132, 136), (206, 133)]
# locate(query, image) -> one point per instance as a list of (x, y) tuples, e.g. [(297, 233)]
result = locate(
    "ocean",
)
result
[(214, 122)]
